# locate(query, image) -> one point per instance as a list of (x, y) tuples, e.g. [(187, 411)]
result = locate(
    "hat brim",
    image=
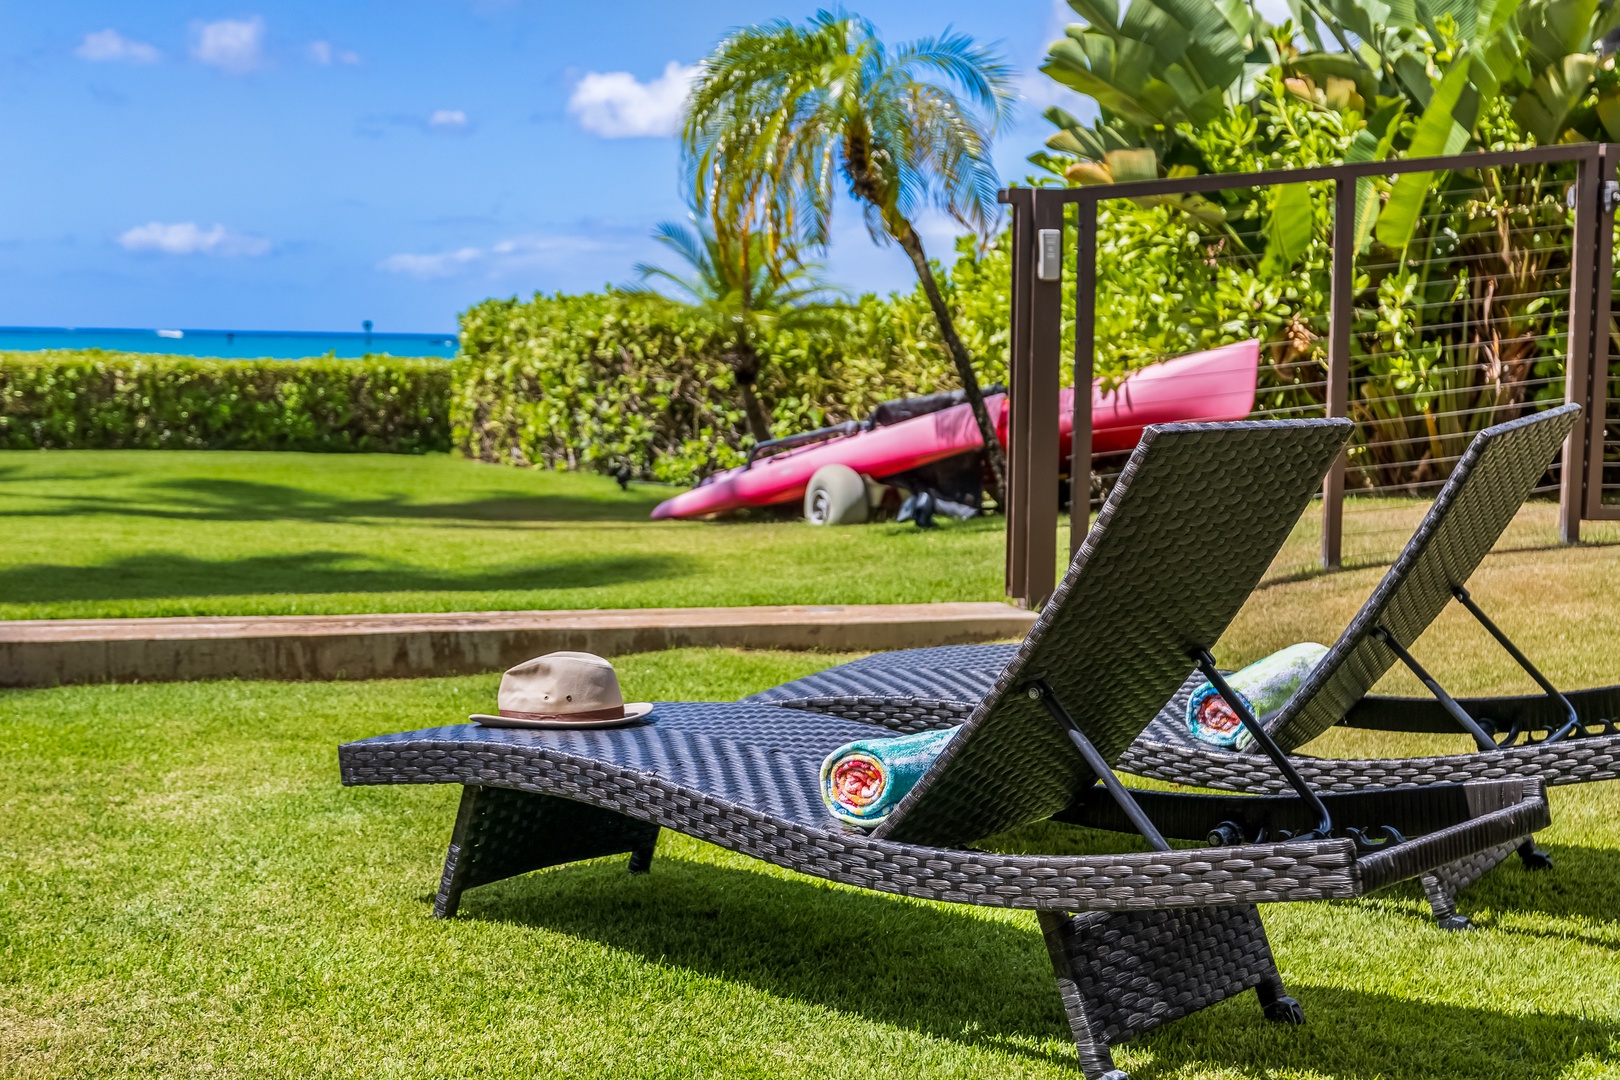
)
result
[(633, 711)]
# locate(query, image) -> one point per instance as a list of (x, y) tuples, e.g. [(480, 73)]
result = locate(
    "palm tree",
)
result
[(743, 287), (780, 113)]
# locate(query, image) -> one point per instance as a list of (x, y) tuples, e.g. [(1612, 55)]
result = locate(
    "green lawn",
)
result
[(186, 890), (126, 533)]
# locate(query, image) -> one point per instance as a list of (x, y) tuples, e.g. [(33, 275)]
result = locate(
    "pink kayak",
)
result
[(1214, 385)]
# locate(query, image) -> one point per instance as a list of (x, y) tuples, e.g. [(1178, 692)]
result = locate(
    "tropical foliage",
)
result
[(782, 115), (1462, 286), (1460, 294), (744, 287)]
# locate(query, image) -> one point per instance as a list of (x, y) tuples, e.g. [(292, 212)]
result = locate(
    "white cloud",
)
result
[(440, 264), (188, 238), (325, 54), (232, 45), (448, 120), (107, 45), (614, 105), (518, 253)]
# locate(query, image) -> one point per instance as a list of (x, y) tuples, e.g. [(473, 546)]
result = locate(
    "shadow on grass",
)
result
[(162, 576), (950, 974), (205, 499), (1584, 882), (936, 970)]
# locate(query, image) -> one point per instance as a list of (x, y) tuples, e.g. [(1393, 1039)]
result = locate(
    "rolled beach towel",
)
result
[(862, 781), (1264, 686)]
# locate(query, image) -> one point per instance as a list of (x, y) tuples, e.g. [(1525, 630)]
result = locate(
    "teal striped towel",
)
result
[(863, 781), (1264, 686)]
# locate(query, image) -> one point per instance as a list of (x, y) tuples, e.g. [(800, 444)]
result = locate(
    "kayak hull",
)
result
[(1214, 385)]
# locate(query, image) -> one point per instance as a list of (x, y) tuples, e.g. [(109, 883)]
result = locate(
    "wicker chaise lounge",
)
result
[(1136, 938), (1570, 737)]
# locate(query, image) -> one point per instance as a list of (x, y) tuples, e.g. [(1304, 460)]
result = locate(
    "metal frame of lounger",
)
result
[(1136, 939), (1573, 736)]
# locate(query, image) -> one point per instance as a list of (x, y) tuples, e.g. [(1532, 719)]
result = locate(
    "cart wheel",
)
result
[(836, 496)]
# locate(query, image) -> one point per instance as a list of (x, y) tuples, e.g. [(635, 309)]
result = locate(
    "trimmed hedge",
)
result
[(611, 379), (98, 400)]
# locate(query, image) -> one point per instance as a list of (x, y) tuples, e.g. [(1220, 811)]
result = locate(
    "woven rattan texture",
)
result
[(500, 834), (740, 817), (1580, 760), (1139, 972), (1464, 840), (1192, 524), (1442, 886), (961, 675), (912, 690), (1120, 974), (1479, 499), (904, 691)]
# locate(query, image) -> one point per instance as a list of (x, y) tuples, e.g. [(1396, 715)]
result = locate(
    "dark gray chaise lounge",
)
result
[(1136, 938), (1571, 738)]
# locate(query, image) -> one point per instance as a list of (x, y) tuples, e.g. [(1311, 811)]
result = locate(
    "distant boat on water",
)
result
[(239, 344)]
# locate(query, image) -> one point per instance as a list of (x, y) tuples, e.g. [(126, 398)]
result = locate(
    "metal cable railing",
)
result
[(1487, 311), (1443, 343)]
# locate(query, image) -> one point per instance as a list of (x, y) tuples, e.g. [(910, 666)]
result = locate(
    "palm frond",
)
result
[(781, 114)]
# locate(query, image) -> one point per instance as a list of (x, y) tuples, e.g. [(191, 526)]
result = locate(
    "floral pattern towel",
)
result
[(863, 781), (1264, 686)]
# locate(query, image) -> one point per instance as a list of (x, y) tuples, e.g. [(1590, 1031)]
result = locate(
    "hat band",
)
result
[(614, 712)]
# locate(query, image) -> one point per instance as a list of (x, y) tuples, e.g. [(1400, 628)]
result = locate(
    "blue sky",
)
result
[(303, 165)]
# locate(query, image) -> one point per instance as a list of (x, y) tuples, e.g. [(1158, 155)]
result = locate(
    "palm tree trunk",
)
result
[(745, 368), (759, 425), (912, 243)]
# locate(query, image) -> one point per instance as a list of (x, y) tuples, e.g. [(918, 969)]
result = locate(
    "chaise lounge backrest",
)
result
[(1189, 529), (1487, 487)]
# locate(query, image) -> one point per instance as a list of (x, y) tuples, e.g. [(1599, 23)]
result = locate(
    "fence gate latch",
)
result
[(1608, 196), (1049, 255)]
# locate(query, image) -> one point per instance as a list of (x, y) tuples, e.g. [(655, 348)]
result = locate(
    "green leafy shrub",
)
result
[(607, 379), (99, 400)]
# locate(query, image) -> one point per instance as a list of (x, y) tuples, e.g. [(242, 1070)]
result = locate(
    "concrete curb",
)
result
[(51, 652)]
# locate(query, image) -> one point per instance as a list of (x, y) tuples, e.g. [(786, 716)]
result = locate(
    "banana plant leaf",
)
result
[(1543, 109), (1437, 132)]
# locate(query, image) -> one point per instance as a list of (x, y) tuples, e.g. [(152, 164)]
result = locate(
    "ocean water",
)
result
[(277, 344)]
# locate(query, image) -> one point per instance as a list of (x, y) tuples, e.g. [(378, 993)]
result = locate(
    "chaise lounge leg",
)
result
[(1096, 1059), (1532, 857), (1123, 973), (501, 833), (1443, 884), (1443, 902), (641, 858), (1275, 1004)]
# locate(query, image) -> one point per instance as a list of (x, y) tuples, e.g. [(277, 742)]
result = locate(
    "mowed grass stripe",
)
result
[(89, 534)]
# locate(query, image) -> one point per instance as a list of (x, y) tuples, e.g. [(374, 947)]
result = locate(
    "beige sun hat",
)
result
[(562, 690)]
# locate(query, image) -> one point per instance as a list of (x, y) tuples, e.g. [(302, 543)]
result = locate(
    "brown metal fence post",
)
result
[(1038, 410), (1578, 362), (1341, 314), (1085, 359), (1033, 377), (1023, 268), (1597, 397)]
